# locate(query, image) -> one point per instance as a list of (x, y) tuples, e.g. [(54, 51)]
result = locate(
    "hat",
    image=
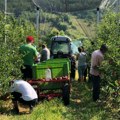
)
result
[(29, 39)]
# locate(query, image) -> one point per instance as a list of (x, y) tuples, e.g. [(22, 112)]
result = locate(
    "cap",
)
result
[(29, 39)]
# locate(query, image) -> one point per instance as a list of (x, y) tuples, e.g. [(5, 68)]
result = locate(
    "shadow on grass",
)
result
[(83, 108), (6, 108)]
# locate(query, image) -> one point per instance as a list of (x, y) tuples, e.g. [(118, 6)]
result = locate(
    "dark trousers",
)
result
[(17, 97), (26, 71), (96, 87), (85, 74), (72, 75)]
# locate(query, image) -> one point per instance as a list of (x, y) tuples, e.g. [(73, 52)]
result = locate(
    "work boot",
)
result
[(31, 108)]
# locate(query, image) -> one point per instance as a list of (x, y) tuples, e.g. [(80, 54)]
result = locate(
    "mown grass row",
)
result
[(81, 108)]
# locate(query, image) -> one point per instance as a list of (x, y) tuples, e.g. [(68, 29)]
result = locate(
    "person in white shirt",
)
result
[(45, 53), (23, 92), (96, 60)]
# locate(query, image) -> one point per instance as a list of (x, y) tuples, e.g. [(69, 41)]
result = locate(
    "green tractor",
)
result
[(52, 78), (63, 47)]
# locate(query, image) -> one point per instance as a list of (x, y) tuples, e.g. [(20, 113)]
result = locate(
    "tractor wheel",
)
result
[(66, 94)]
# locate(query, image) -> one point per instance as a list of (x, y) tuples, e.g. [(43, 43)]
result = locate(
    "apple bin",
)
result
[(51, 78)]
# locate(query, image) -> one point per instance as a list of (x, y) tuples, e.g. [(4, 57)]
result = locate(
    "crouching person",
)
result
[(24, 93)]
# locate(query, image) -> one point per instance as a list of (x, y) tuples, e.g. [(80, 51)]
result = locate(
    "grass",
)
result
[(81, 108)]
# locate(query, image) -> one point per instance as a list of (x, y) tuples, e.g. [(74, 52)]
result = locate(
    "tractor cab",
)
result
[(60, 47)]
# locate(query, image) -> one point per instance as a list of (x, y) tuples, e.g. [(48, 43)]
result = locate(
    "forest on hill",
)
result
[(67, 16), (49, 5)]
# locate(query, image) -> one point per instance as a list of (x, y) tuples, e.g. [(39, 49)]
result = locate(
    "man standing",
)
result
[(45, 53), (29, 54), (96, 60)]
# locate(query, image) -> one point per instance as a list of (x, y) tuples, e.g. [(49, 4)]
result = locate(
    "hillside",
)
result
[(18, 6), (80, 23), (73, 25)]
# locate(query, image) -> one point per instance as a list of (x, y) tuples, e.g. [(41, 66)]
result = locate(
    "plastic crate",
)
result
[(58, 60), (58, 67)]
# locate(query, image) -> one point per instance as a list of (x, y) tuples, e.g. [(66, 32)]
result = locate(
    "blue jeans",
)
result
[(96, 87), (81, 70)]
